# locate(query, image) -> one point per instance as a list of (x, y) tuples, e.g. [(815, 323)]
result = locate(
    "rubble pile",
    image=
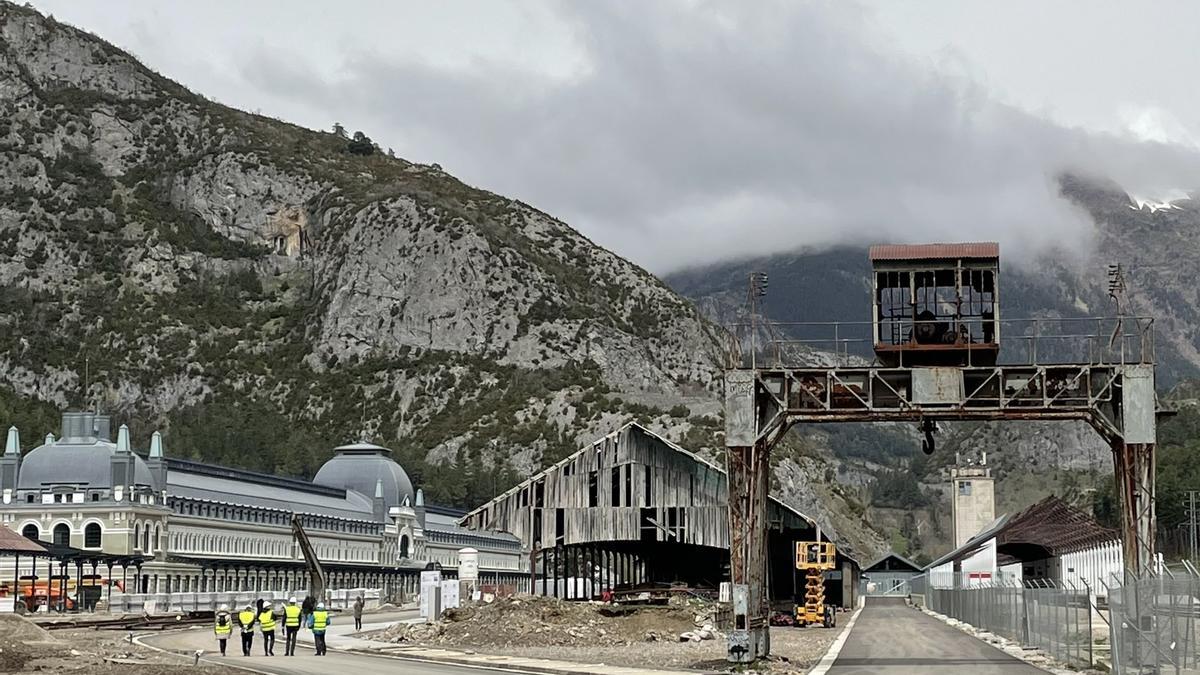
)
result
[(536, 621), (21, 641)]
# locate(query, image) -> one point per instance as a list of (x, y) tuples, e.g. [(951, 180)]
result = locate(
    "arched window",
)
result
[(146, 538), (31, 531), (91, 535), (137, 535), (62, 535), (158, 537), (404, 546)]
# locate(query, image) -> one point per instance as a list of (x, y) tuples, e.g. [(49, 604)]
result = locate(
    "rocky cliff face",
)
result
[(238, 277), (266, 292)]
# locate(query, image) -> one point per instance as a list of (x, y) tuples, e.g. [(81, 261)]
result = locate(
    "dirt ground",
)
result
[(539, 627), (794, 651), (27, 648), (536, 621)]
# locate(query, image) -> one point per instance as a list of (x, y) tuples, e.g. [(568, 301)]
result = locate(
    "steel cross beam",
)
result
[(761, 404)]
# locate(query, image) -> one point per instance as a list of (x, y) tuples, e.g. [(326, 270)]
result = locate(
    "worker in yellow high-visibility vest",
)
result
[(266, 621), (318, 621), (246, 618), (291, 626), (222, 626)]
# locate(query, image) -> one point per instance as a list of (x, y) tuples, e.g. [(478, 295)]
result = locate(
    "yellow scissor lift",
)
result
[(815, 558)]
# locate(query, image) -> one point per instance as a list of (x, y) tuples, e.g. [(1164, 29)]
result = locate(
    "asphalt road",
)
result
[(304, 662), (894, 639)]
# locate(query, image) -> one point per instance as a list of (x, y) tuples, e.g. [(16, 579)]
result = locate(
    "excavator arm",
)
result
[(316, 575)]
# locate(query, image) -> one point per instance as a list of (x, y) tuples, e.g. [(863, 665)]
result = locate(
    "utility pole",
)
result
[(1190, 503)]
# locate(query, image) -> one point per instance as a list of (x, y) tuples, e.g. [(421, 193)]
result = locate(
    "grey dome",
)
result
[(359, 466), (83, 464)]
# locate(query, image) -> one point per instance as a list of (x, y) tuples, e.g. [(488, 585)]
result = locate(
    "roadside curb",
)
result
[(137, 640), (998, 642), (465, 660), (835, 649)]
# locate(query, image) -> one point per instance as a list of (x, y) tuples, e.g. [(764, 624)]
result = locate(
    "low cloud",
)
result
[(697, 133)]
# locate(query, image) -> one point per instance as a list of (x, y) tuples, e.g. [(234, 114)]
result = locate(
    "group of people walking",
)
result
[(313, 616)]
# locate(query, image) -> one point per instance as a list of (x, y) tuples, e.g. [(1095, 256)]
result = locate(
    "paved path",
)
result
[(351, 654), (894, 639)]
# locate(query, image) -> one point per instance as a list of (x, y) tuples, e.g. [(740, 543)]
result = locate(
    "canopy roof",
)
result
[(970, 250), (12, 543)]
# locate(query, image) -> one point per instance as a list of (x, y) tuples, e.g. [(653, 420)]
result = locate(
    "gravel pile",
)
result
[(22, 641), (536, 621)]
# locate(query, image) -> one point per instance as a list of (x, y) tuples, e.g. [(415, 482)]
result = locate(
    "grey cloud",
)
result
[(704, 132)]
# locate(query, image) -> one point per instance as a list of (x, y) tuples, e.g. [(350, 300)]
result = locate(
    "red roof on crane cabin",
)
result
[(979, 249)]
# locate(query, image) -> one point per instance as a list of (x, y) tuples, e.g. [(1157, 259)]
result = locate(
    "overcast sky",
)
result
[(679, 133)]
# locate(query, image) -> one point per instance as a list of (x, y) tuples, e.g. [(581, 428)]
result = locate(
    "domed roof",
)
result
[(82, 462), (360, 467)]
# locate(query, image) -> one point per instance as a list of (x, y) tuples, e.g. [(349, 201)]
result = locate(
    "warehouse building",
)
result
[(890, 575), (633, 510)]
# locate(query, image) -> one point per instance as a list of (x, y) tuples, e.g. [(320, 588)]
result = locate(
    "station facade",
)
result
[(198, 528)]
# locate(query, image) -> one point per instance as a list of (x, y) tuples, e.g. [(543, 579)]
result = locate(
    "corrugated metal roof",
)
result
[(1051, 524), (11, 542), (1056, 526), (980, 249)]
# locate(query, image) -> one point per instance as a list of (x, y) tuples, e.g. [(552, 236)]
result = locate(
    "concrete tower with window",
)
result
[(973, 496)]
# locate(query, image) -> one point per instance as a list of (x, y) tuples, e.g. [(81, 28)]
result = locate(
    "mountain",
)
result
[(1158, 250), (266, 292)]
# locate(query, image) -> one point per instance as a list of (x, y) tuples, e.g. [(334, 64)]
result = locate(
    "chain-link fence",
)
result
[(1139, 626), (1154, 623), (1054, 617)]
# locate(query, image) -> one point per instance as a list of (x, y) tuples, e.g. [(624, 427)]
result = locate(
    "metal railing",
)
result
[(1055, 617), (1035, 341)]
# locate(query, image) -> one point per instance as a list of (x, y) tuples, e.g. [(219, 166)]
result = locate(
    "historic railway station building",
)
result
[(196, 528)]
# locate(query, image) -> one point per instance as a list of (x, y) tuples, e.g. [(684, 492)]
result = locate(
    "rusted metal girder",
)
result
[(749, 473), (1133, 466), (1118, 400)]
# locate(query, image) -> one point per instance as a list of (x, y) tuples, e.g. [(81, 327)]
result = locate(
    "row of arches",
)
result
[(193, 542), (60, 534), (147, 537)]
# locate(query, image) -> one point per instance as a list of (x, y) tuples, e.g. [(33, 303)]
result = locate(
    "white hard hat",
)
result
[(320, 605), (291, 601), (224, 608)]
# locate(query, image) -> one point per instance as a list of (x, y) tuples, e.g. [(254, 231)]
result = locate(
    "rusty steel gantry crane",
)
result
[(935, 333)]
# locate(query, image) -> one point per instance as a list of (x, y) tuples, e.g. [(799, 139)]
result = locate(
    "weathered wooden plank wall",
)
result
[(628, 486)]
